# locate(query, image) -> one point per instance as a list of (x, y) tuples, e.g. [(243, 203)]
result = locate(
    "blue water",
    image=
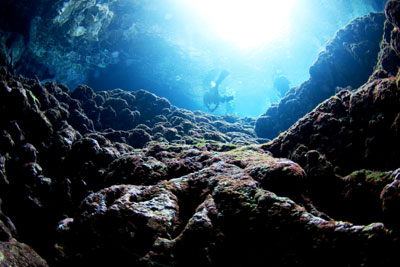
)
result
[(175, 54)]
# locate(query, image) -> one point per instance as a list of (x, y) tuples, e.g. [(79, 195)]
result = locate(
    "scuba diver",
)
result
[(282, 85), (212, 98)]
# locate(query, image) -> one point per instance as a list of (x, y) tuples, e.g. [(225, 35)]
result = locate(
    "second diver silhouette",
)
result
[(212, 98), (282, 85)]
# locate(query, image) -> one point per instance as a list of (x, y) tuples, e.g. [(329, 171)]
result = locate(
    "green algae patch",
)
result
[(373, 178), (33, 98), (245, 156), (378, 177)]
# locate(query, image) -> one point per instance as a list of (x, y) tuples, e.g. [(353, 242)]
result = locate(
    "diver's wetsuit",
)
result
[(282, 85), (213, 96)]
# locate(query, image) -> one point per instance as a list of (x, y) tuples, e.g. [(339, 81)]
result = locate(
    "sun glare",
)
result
[(247, 23)]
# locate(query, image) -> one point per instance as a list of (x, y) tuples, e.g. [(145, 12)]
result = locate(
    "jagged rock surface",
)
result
[(124, 178), (57, 146), (12, 252), (354, 130), (347, 61)]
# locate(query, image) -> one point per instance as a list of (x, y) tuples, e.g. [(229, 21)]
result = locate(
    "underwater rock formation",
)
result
[(347, 61), (207, 216), (73, 40), (55, 27), (12, 252), (125, 178), (110, 43), (57, 146), (354, 130)]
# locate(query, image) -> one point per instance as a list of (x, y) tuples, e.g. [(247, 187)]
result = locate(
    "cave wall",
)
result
[(347, 61)]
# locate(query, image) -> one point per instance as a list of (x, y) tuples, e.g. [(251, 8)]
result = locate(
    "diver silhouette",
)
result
[(282, 85), (212, 98)]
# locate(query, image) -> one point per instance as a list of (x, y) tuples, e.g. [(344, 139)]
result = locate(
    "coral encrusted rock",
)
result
[(347, 61), (117, 178)]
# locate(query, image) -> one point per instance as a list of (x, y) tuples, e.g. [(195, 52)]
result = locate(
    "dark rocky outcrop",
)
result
[(200, 219), (12, 252), (353, 130), (58, 146), (125, 178), (347, 61)]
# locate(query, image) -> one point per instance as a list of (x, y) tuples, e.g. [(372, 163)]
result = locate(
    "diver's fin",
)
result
[(222, 77), (227, 98)]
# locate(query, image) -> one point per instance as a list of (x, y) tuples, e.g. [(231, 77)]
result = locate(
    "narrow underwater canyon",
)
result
[(119, 178)]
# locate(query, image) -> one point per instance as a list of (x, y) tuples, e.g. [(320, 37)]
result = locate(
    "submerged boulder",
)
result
[(200, 219), (12, 252), (351, 140), (145, 183), (347, 61)]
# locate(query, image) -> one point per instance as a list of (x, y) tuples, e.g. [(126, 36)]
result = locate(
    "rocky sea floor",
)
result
[(117, 178)]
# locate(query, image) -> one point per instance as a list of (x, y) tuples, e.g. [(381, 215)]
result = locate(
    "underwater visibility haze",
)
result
[(177, 48), (199, 133)]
